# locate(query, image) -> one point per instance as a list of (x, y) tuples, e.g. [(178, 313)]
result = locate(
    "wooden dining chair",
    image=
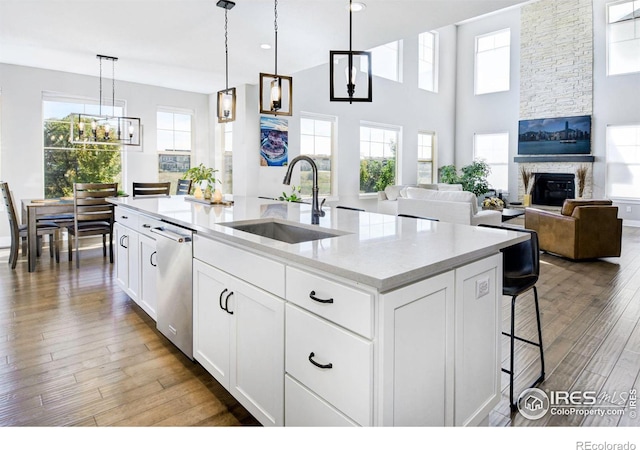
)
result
[(93, 216), (184, 187), (19, 231), (140, 189)]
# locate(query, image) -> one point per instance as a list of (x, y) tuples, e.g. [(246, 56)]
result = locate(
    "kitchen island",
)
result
[(389, 321)]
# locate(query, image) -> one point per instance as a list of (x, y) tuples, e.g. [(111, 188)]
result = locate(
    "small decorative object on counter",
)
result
[(294, 197), (203, 179), (493, 203)]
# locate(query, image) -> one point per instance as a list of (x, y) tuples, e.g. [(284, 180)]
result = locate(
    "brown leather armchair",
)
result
[(584, 229)]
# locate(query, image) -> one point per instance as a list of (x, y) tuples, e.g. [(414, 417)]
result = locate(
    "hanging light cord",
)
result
[(113, 87), (275, 26), (350, 22), (226, 51), (100, 105)]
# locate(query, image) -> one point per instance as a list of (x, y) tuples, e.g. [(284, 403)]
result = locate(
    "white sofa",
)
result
[(387, 199), (446, 206)]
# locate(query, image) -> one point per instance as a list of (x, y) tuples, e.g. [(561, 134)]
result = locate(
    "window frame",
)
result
[(432, 160), (173, 152), (476, 58), (609, 163), (609, 25), (398, 156), (504, 164), (435, 63), (333, 173), (397, 60)]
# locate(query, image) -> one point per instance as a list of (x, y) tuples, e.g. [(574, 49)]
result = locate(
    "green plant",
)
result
[(474, 177), (295, 195), (448, 174), (201, 173)]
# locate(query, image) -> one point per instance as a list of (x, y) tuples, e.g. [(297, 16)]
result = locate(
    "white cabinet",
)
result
[(239, 339), (127, 260), (148, 293)]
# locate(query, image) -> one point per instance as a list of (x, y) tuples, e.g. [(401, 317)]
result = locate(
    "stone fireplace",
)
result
[(557, 165), (551, 189)]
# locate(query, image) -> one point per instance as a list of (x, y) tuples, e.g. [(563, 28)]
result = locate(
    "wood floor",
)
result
[(76, 351)]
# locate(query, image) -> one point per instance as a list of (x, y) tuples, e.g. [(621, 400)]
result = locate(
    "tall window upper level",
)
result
[(493, 62), (386, 61), (428, 61), (623, 37)]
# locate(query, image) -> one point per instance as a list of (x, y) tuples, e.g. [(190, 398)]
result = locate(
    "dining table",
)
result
[(32, 209)]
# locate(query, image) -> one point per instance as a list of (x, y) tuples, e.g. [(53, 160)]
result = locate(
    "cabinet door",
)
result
[(257, 346), (148, 275), (478, 340), (418, 343), (211, 323), (127, 265)]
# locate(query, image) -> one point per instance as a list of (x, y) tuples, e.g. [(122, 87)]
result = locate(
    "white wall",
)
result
[(487, 113), (21, 163), (401, 104)]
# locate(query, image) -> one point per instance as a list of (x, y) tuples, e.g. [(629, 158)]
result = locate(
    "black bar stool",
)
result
[(521, 269)]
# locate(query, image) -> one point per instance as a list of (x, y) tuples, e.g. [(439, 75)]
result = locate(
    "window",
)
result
[(427, 61), (493, 62), (623, 34), (316, 141), (385, 61), (227, 157), (378, 152), (173, 144), (425, 157), (66, 163), (494, 150), (623, 161)]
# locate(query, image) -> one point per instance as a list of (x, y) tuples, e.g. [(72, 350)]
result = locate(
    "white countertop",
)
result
[(379, 250)]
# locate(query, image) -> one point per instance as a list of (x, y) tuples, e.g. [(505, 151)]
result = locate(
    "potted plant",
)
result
[(474, 177), (202, 178)]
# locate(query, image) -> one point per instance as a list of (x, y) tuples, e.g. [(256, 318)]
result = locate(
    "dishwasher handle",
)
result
[(171, 235)]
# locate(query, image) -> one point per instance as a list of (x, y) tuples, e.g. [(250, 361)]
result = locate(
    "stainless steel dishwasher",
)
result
[(175, 304)]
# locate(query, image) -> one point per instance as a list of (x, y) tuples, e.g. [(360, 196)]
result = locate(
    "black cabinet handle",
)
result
[(123, 217), (312, 296), (122, 241), (151, 259), (322, 366), (221, 294), (226, 303), (146, 225)]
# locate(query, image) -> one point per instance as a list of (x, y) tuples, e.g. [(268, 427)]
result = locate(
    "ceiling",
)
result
[(180, 43)]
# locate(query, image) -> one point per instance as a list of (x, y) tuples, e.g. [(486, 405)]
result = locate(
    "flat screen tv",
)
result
[(557, 136)]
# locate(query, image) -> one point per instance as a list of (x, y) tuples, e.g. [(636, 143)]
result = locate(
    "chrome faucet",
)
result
[(316, 211)]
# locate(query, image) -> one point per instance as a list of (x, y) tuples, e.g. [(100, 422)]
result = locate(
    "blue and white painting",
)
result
[(274, 141)]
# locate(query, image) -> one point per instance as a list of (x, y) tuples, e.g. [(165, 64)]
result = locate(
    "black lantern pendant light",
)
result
[(276, 91), (106, 129), (350, 72), (226, 97)]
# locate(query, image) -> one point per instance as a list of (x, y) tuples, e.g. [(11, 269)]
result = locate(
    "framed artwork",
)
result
[(274, 141)]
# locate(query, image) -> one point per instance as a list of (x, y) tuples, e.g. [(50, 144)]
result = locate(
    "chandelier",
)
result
[(348, 70), (276, 91), (104, 128), (227, 97)]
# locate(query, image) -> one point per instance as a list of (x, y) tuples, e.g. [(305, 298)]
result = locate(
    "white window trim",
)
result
[(436, 63), (607, 45), (334, 148), (386, 126), (176, 110), (475, 62), (434, 155), (630, 200), (506, 164)]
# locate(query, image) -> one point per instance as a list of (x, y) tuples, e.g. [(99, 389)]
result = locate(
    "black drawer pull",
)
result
[(322, 366), (122, 238), (124, 217), (312, 296), (221, 294), (151, 259), (226, 303), (146, 225)]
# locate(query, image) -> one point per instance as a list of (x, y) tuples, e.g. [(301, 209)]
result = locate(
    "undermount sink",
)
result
[(290, 233)]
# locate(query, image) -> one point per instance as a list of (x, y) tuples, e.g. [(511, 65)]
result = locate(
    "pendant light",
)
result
[(226, 97), (106, 129), (350, 72), (276, 91)]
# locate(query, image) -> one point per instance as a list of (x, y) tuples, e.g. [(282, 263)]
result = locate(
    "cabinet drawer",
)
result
[(349, 307), (126, 217), (303, 408), (347, 385), (146, 223), (257, 270)]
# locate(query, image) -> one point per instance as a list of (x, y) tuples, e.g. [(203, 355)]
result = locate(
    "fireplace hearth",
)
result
[(551, 189)]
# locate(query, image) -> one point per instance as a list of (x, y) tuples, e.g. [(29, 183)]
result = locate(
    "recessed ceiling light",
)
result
[(357, 6), (265, 46)]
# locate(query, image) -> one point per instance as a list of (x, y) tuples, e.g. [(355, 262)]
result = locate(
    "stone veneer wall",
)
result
[(556, 70)]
